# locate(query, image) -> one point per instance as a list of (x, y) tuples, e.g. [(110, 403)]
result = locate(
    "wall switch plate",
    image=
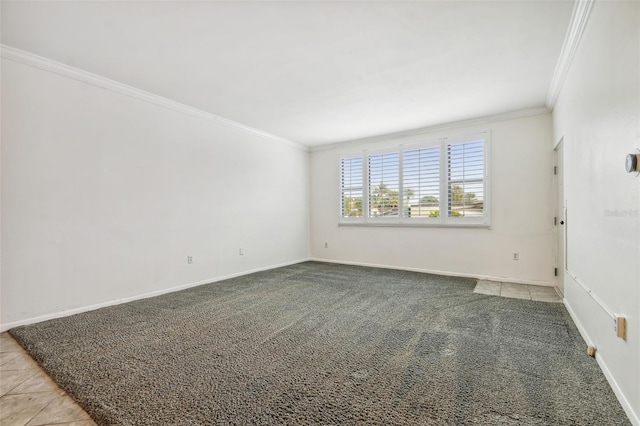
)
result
[(189, 259), (516, 256), (241, 252)]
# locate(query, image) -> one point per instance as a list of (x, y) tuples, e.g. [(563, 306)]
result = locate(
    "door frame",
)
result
[(560, 212)]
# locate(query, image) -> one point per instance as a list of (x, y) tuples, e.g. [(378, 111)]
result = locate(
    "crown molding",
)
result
[(577, 23), (529, 112), (45, 64)]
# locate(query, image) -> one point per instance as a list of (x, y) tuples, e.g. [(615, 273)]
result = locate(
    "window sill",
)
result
[(415, 225)]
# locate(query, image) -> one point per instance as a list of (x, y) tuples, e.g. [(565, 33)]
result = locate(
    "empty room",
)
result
[(320, 212)]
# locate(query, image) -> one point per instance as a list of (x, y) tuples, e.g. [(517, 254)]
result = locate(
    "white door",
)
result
[(560, 218)]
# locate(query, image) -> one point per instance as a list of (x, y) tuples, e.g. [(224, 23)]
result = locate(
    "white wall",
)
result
[(104, 196), (521, 162), (597, 115)]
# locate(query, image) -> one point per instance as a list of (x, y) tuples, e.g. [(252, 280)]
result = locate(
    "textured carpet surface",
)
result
[(318, 343)]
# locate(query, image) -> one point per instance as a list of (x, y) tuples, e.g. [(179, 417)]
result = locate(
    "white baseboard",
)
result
[(633, 417), (579, 326), (68, 312), (438, 272)]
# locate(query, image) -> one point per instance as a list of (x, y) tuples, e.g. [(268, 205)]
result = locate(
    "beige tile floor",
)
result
[(28, 396), (518, 291)]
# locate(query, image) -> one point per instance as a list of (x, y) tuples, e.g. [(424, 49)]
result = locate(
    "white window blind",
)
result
[(384, 181), (351, 183), (466, 181), (421, 182)]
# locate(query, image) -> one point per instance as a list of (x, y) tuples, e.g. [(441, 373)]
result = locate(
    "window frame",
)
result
[(401, 146)]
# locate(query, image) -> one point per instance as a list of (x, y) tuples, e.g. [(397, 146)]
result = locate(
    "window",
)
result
[(436, 183), (384, 181), (351, 183), (465, 179), (421, 182)]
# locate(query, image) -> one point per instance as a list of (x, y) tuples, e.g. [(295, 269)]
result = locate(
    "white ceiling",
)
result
[(311, 72)]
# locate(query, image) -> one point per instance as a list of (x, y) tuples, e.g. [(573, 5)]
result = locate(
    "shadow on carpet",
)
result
[(317, 343)]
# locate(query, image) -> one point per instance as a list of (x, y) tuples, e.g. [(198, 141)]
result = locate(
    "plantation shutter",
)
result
[(421, 182), (466, 183), (384, 181), (351, 184)]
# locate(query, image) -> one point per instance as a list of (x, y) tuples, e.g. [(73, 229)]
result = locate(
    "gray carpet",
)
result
[(326, 344)]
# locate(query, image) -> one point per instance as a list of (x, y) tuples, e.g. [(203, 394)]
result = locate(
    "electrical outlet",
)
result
[(189, 259), (241, 252), (516, 256)]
